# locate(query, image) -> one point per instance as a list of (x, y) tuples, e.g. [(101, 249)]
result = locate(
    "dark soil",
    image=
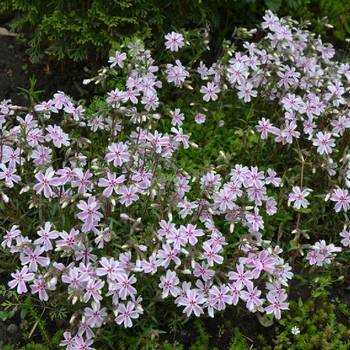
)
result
[(16, 70), (12, 60)]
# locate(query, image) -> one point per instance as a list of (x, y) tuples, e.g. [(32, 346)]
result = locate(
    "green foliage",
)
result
[(323, 322), (9, 303), (33, 346), (78, 29), (238, 342), (86, 30), (202, 340), (338, 14), (81, 30), (32, 323), (30, 346)]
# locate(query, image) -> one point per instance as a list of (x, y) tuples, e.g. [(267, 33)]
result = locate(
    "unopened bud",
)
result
[(72, 319), (24, 189), (5, 198), (232, 226), (142, 247), (124, 216)]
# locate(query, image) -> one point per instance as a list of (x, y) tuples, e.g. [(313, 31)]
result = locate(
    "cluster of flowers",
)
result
[(124, 176), (322, 253), (186, 258), (297, 72), (293, 68), (133, 175), (178, 253)]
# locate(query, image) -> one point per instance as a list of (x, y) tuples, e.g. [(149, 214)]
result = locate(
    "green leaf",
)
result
[(273, 5)]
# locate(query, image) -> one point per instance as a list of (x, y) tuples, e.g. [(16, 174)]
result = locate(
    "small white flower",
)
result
[(295, 330)]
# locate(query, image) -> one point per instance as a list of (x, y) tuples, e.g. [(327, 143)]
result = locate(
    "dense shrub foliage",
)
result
[(87, 30), (106, 216), (80, 31)]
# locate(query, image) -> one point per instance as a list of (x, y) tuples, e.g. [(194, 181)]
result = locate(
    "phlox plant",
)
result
[(108, 209)]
